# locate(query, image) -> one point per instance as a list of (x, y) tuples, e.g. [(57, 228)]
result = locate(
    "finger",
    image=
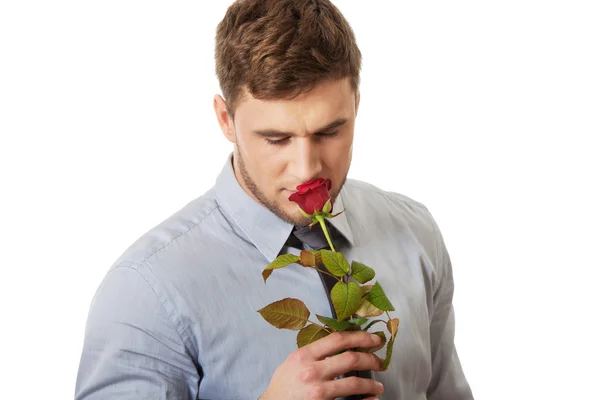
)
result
[(351, 385), (348, 361), (337, 341)]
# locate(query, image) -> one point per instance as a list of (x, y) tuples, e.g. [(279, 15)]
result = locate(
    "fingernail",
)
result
[(380, 386), (376, 339)]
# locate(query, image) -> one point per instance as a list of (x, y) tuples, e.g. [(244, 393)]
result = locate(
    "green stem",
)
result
[(372, 323), (324, 227), (322, 326), (326, 273)]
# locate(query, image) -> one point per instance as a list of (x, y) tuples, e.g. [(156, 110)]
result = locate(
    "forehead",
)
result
[(326, 102)]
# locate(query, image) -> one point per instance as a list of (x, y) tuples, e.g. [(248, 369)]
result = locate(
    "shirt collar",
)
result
[(263, 228)]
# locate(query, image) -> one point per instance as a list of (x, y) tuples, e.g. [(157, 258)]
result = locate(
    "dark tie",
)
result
[(315, 239)]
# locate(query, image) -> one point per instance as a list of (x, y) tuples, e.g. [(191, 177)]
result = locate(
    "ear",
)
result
[(357, 103), (224, 119)]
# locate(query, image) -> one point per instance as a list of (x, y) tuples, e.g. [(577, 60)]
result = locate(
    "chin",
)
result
[(293, 216)]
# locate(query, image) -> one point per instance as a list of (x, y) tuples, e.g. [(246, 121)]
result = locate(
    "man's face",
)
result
[(280, 144)]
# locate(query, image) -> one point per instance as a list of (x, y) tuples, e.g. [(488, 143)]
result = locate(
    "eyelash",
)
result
[(283, 141)]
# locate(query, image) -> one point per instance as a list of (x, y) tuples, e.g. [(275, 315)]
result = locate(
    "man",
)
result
[(176, 316)]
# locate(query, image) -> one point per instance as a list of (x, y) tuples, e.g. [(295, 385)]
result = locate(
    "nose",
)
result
[(306, 161)]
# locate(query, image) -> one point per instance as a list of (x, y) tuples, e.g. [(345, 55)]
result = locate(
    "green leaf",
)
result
[(346, 299), (334, 324), (365, 289), (282, 261), (361, 273), (309, 334), (378, 298), (366, 309), (372, 323), (357, 321), (383, 341), (335, 262), (376, 348), (286, 314), (392, 326), (388, 354)]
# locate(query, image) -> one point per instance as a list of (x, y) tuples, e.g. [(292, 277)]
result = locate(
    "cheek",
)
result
[(267, 174), (338, 163), (337, 158)]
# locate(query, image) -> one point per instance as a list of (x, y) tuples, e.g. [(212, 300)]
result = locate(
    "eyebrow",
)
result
[(275, 133)]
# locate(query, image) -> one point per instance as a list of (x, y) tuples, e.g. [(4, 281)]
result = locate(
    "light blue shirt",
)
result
[(176, 315)]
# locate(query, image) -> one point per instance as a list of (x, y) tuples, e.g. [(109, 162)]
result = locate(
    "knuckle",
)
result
[(376, 360), (317, 392), (296, 357), (352, 359), (308, 374), (354, 383), (336, 337)]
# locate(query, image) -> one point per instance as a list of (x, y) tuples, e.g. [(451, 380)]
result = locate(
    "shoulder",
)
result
[(153, 267), (148, 273), (393, 213), (161, 240), (378, 203)]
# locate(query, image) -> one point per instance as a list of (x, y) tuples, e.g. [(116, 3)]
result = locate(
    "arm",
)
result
[(132, 349), (448, 381)]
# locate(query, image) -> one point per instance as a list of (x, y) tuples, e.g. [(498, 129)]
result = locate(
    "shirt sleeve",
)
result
[(448, 381), (132, 349)]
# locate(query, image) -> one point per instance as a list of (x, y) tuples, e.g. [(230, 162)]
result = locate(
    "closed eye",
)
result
[(283, 141), (328, 135), (277, 142)]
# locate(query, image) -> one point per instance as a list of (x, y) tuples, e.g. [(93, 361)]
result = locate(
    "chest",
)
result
[(239, 351)]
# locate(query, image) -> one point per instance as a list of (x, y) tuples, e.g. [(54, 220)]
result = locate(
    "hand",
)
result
[(308, 373)]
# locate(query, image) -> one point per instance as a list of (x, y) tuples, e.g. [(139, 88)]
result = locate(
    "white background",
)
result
[(487, 112)]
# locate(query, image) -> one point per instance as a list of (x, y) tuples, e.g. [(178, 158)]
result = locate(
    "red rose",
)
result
[(312, 195)]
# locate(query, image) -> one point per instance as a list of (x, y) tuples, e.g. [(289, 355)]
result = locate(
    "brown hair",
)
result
[(278, 49)]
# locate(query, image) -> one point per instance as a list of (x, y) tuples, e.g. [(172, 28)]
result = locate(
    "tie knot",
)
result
[(313, 237)]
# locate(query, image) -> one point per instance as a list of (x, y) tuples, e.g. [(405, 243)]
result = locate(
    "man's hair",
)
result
[(279, 49)]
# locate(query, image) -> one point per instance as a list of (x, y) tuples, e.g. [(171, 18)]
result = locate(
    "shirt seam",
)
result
[(170, 317), (144, 260), (442, 269), (392, 196)]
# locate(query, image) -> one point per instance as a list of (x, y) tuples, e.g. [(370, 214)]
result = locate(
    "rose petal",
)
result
[(312, 196)]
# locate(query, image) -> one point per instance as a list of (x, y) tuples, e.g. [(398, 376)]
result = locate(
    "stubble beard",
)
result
[(296, 219)]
